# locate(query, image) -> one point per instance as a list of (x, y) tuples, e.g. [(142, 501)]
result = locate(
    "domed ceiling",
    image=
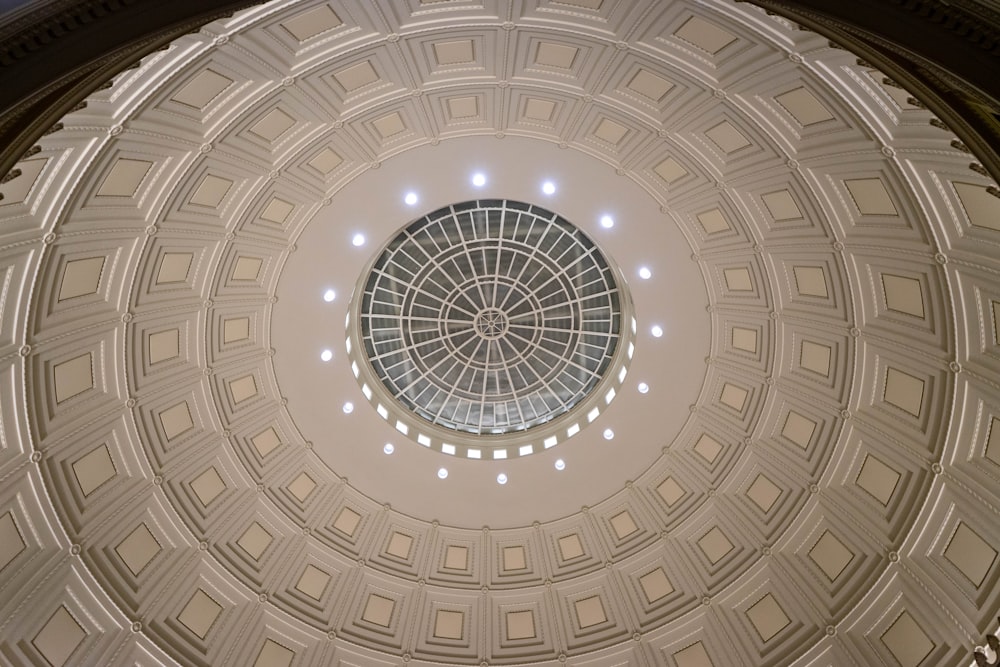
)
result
[(792, 461)]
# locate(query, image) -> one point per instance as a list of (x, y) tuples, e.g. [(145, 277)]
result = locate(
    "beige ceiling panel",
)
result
[(656, 585), (904, 391), (670, 170), (830, 555), (273, 654), (745, 339), (583, 4), (463, 107), (59, 637), (208, 485), (399, 545), (738, 280), (138, 549), (16, 191), (727, 137), (235, 329), (200, 613), (302, 486), (670, 491), (798, 429), (559, 56), (539, 109), (357, 76), (982, 208), (457, 52), (708, 447), (277, 211), (764, 493), (266, 441), (202, 89), (243, 388), (74, 377), (907, 641), (713, 221), (706, 36), (124, 178), (313, 582), (767, 617), (211, 191), (804, 107), (733, 396), (326, 161), (81, 277), (610, 131), (378, 610), (815, 357), (570, 547), (312, 23), (590, 611), (993, 441), (449, 624), (520, 624), (174, 267), (903, 295), (176, 420), (649, 85), (715, 545), (878, 479), (347, 521), (389, 125), (514, 559), (871, 197), (247, 268), (255, 540), (970, 553), (456, 558), (163, 345), (781, 205), (623, 524), (94, 469), (693, 656), (811, 281), (11, 542)]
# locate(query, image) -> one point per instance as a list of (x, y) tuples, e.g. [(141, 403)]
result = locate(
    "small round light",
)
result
[(643, 388), (326, 355), (329, 295), (548, 187), (388, 449), (501, 478), (657, 331), (410, 198), (442, 472), (560, 464), (348, 408), (479, 180), (645, 273), (358, 240), (607, 221), (608, 434)]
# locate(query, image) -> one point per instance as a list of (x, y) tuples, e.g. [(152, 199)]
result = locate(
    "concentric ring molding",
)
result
[(836, 471)]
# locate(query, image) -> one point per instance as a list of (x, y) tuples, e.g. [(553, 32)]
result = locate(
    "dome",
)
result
[(481, 332)]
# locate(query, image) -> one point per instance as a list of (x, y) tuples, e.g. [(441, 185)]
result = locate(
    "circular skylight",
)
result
[(489, 318)]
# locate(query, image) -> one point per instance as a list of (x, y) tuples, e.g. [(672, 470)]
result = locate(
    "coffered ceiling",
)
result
[(811, 478)]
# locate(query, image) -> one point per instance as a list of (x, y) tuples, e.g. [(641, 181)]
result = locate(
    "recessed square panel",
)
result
[(463, 107), (738, 280), (313, 582), (815, 357), (247, 268), (670, 170), (347, 521), (208, 485), (871, 196), (570, 546), (781, 205), (623, 525), (764, 493), (163, 345), (200, 613), (326, 161), (520, 624), (59, 637), (138, 549), (176, 420), (11, 542), (277, 211), (302, 486), (456, 558), (81, 277), (590, 611), (810, 281), (903, 295), (455, 52), (670, 491), (970, 553), (656, 585), (243, 388), (583, 4), (878, 479), (649, 85), (389, 125), (907, 641), (357, 76), (202, 89), (312, 23), (174, 267), (124, 178), (798, 429), (255, 540), (560, 56), (693, 656), (74, 377), (266, 441), (273, 654), (94, 469), (715, 545), (904, 391), (399, 545), (235, 329), (982, 208), (830, 555), (539, 109), (992, 449), (733, 396), (610, 131), (449, 624), (713, 222), (727, 137), (514, 559), (211, 191), (804, 107), (706, 36), (767, 617), (745, 339), (707, 447), (378, 610)]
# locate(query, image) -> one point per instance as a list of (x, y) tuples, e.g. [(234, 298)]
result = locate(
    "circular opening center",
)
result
[(491, 323)]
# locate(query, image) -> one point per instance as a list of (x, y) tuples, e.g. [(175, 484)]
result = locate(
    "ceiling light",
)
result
[(326, 355), (607, 221), (358, 240), (479, 180), (501, 478), (388, 449), (657, 331), (560, 464), (442, 472), (329, 295), (643, 388), (348, 408), (548, 187), (645, 273), (608, 434), (410, 198)]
